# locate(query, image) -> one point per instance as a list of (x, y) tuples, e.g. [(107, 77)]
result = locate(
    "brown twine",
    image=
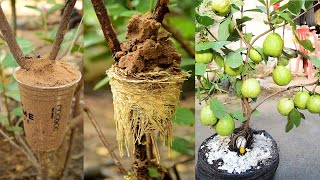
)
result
[(145, 104)]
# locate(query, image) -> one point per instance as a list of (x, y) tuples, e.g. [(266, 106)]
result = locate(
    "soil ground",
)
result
[(97, 158), (299, 148)]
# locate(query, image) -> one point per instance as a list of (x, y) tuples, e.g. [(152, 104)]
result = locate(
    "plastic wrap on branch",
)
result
[(144, 104)]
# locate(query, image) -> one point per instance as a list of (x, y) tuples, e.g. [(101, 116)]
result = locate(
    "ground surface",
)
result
[(299, 149), (97, 159)]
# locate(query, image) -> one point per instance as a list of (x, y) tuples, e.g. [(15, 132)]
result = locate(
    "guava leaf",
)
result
[(262, 2), (237, 2), (218, 108), (200, 69), (238, 86), (307, 44), (315, 61), (238, 115), (234, 59), (295, 6), (248, 37), (223, 31), (213, 44), (184, 116), (272, 2), (289, 126), (153, 172), (294, 117), (17, 111), (183, 146), (204, 20)]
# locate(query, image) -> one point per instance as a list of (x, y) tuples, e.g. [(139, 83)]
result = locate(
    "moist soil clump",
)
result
[(48, 73), (148, 48)]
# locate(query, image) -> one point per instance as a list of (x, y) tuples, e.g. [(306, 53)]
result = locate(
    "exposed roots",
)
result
[(145, 104), (246, 133)]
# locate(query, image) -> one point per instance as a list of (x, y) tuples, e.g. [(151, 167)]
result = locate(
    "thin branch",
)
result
[(106, 26), (284, 90), (105, 141), (161, 10), (176, 34), (9, 37), (18, 147), (62, 29)]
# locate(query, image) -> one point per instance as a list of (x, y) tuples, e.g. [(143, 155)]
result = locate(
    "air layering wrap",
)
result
[(145, 103)]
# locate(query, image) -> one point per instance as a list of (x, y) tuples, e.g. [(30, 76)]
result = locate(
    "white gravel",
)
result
[(234, 163)]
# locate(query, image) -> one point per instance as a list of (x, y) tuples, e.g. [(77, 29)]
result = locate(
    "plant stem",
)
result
[(161, 10), (151, 5), (105, 141), (9, 37), (14, 16), (106, 26), (62, 29)]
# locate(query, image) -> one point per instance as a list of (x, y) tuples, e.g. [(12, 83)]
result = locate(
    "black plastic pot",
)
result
[(206, 171)]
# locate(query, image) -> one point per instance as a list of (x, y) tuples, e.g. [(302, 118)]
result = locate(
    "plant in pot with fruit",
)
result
[(226, 47)]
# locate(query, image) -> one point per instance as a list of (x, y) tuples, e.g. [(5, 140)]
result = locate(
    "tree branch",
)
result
[(161, 10), (177, 35), (104, 141), (284, 90), (106, 26), (9, 37), (62, 29)]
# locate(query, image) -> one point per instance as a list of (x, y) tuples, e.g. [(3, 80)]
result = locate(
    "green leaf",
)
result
[(17, 111), (256, 113), (213, 44), (295, 6), (204, 20), (308, 3), (238, 86), (238, 115), (153, 172), (315, 61), (272, 2), (243, 20), (234, 8), (254, 10), (289, 126), (234, 60), (307, 44), (294, 117), (14, 95), (248, 37), (183, 146), (200, 69), (262, 2), (34, 8), (101, 83), (55, 8), (184, 116), (223, 31), (218, 108), (237, 2), (9, 61)]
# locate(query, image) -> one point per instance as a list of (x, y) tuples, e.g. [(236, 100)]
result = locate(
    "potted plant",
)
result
[(244, 153)]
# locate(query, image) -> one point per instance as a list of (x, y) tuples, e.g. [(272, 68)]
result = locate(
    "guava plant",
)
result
[(240, 64)]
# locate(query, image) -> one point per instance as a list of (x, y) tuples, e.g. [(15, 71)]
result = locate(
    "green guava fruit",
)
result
[(218, 59), (204, 56), (233, 71), (283, 61), (301, 99), (281, 76), (250, 88), (273, 45), (221, 7), (313, 104), (207, 117), (255, 56), (284, 106), (225, 126)]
